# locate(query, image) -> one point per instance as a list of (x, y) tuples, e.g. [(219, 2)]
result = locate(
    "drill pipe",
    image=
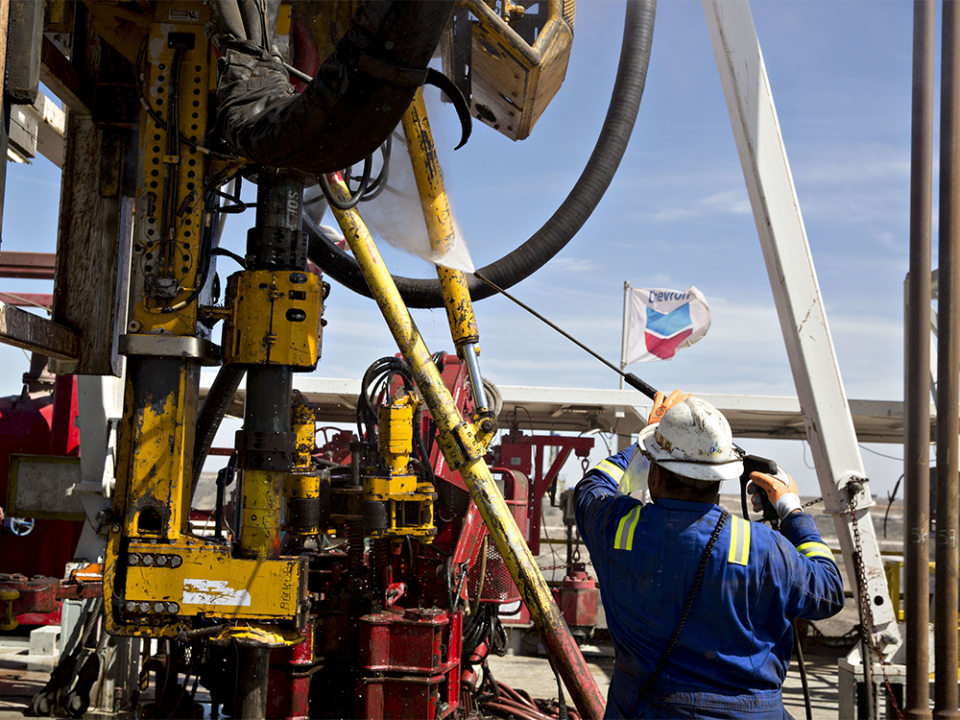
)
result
[(503, 528), (916, 465), (948, 384)]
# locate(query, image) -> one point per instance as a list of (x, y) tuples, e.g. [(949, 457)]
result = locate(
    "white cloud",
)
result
[(574, 265), (721, 202)]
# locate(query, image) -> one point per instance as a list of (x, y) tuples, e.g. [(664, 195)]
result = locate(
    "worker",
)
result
[(699, 603)]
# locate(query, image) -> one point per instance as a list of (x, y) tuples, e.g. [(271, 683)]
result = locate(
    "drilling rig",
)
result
[(366, 586)]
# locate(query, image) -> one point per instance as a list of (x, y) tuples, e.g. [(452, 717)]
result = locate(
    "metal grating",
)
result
[(498, 586)]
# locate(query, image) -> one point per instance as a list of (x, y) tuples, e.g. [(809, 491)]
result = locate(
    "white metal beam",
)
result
[(37, 128), (625, 411), (803, 319)]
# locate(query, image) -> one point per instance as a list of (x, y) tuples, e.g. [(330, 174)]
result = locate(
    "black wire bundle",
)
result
[(368, 190), (374, 388), (374, 391), (485, 626)]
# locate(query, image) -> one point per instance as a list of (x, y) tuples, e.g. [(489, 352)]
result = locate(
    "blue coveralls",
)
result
[(734, 649)]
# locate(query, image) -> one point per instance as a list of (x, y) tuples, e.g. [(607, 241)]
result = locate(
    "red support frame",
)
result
[(516, 450)]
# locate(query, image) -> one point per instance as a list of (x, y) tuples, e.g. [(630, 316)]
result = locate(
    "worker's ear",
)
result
[(655, 481)]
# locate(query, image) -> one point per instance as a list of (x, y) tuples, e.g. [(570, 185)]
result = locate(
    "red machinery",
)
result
[(40, 421), (525, 454), (395, 628)]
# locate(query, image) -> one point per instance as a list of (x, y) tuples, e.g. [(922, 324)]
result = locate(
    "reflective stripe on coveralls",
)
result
[(815, 549), (608, 468), (623, 540), (739, 538), (739, 541)]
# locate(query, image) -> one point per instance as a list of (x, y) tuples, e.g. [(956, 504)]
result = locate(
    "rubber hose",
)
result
[(211, 414), (572, 213), (355, 100)]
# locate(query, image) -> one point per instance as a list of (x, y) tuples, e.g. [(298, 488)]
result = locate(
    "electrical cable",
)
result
[(171, 166), (629, 378), (379, 184), (375, 384), (158, 120), (239, 259), (355, 198), (579, 204), (481, 578), (209, 231), (891, 497), (808, 707), (888, 457), (206, 252), (560, 699)]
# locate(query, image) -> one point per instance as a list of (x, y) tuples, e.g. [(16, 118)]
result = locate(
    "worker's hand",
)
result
[(662, 403), (780, 488)]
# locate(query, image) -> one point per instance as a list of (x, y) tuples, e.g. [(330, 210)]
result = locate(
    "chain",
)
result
[(867, 627), (812, 502)]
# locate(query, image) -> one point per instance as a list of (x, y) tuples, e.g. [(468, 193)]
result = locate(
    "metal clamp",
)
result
[(460, 446), (259, 450), (183, 346)]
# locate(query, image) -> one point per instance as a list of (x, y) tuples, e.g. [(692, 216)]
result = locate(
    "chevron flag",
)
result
[(663, 321)]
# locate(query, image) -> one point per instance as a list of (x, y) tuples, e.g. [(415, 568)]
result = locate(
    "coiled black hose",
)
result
[(572, 213)]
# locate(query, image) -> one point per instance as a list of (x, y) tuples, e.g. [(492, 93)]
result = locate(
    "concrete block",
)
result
[(45, 641)]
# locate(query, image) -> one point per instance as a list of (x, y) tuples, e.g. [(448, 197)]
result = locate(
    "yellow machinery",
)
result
[(212, 82)]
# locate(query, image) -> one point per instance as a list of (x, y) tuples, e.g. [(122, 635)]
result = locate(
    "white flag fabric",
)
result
[(663, 321)]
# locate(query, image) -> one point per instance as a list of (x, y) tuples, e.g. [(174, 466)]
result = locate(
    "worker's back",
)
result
[(735, 645)]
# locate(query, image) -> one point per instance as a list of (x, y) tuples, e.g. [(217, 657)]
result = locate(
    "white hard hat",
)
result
[(693, 440)]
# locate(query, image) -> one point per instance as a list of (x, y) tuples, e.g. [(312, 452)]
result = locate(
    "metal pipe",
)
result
[(268, 398), (948, 360), (267, 410), (5, 116), (276, 243), (454, 434), (916, 470), (443, 238), (471, 351), (253, 674), (623, 330), (438, 218)]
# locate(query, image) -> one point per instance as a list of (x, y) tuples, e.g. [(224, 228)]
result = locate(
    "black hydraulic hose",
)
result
[(211, 414), (569, 217), (355, 100)]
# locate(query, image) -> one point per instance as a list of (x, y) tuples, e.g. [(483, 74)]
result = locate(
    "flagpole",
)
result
[(623, 332)]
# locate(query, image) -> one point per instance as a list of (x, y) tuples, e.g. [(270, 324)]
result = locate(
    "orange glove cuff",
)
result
[(662, 403)]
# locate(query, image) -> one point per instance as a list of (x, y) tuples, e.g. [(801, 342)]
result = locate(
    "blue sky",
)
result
[(676, 215)]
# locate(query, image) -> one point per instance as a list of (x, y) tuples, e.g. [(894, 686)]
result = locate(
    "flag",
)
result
[(663, 321)]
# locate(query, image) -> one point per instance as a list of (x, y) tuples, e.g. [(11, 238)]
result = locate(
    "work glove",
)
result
[(662, 403), (780, 488)]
